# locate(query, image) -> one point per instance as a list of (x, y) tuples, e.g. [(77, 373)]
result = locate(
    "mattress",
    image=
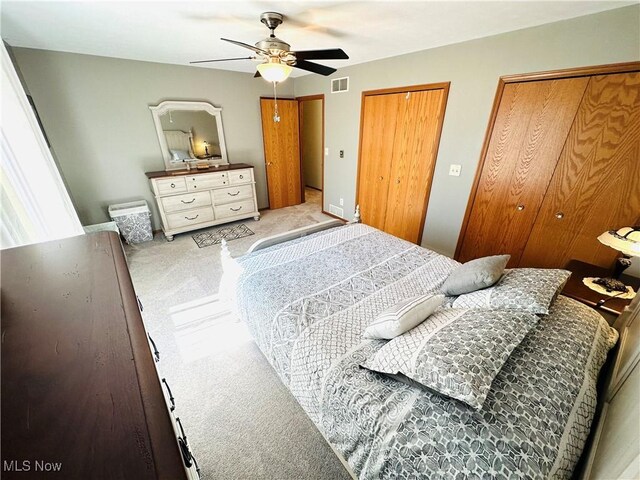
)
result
[(307, 303)]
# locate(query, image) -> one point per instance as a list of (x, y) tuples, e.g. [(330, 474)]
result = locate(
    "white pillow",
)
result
[(179, 155), (403, 316)]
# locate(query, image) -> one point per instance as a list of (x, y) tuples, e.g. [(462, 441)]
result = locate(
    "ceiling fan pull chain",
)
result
[(276, 117)]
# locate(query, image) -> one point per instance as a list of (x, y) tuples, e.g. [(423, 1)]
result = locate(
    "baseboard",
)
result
[(334, 216), (313, 188)]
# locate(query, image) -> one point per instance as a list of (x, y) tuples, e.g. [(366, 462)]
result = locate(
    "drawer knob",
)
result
[(173, 185), (189, 218), (559, 215), (224, 183), (236, 209), (234, 194), (241, 177), (191, 201)]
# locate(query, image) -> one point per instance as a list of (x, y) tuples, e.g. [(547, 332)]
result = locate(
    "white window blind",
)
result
[(34, 203)]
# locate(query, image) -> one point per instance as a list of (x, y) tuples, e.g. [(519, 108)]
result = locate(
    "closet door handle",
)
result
[(269, 164), (520, 207), (189, 218), (381, 178), (559, 215), (188, 202), (398, 181)]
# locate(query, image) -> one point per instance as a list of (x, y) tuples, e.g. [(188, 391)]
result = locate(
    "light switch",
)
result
[(454, 170), (342, 202)]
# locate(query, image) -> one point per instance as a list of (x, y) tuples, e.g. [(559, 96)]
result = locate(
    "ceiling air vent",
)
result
[(339, 85)]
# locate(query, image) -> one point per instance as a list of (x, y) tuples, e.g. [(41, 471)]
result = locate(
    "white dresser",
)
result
[(202, 198)]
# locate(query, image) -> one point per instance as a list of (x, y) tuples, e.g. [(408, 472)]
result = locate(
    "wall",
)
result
[(473, 68), (311, 138), (95, 111)]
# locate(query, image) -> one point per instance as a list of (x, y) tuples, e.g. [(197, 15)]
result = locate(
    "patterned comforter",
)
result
[(307, 303)]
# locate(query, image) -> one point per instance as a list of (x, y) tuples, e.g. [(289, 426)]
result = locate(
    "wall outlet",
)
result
[(342, 202), (454, 170), (341, 153), (326, 151)]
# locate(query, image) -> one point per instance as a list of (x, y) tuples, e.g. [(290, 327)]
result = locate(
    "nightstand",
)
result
[(579, 291)]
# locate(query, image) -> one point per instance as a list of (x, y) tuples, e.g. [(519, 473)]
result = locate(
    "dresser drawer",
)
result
[(167, 186), (236, 208), (232, 194), (189, 217), (176, 203), (237, 177), (206, 181)]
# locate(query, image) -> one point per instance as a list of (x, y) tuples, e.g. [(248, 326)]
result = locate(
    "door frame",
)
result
[(521, 78), (305, 98), (411, 88)]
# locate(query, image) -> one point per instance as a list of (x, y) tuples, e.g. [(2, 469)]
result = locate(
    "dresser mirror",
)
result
[(190, 134)]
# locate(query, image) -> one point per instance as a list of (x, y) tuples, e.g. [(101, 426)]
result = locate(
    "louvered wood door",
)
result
[(282, 152), (414, 156), (596, 185), (379, 119), (528, 134)]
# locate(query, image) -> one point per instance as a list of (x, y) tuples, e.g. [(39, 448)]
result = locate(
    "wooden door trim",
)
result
[(305, 98), (445, 86), (519, 78), (608, 69)]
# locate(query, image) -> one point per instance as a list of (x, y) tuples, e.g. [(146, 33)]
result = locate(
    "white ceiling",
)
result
[(178, 32)]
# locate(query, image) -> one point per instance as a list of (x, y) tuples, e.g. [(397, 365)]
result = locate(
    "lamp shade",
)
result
[(274, 71), (625, 240)]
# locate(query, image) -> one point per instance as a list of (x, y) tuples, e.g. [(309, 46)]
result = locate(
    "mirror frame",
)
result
[(164, 107)]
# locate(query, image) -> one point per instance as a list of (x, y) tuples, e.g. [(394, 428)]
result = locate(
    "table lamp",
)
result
[(627, 241)]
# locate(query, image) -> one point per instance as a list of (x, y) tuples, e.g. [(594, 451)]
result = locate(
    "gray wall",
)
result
[(473, 68), (311, 139), (95, 111)]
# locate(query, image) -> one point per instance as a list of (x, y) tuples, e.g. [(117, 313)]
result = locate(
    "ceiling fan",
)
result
[(276, 56)]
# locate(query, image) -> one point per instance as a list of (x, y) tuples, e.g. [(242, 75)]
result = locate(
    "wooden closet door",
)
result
[(414, 156), (281, 152), (529, 131), (379, 118), (596, 186)]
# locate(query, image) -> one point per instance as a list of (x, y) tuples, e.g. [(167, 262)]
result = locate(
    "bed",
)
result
[(307, 302)]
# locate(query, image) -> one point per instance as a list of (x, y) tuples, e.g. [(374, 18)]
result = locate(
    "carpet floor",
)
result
[(241, 421)]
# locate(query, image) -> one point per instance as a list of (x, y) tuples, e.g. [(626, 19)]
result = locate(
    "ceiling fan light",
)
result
[(274, 72)]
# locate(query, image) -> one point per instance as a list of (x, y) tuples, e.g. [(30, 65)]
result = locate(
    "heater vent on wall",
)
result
[(339, 212), (339, 85)]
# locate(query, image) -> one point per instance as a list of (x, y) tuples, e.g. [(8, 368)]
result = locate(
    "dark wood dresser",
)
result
[(81, 397)]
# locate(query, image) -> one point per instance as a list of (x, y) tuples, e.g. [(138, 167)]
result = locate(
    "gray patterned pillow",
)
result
[(529, 289), (456, 352)]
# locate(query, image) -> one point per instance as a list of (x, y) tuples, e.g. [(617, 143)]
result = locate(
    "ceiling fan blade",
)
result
[(313, 67), (246, 45), (328, 54), (224, 59), (257, 75)]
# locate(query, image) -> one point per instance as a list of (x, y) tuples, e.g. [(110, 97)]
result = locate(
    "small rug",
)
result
[(213, 237)]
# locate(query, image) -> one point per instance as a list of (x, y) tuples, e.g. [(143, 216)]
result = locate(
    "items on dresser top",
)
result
[(80, 387), (189, 200)]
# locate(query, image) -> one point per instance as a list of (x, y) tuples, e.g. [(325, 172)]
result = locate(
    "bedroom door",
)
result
[(400, 133), (281, 141)]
